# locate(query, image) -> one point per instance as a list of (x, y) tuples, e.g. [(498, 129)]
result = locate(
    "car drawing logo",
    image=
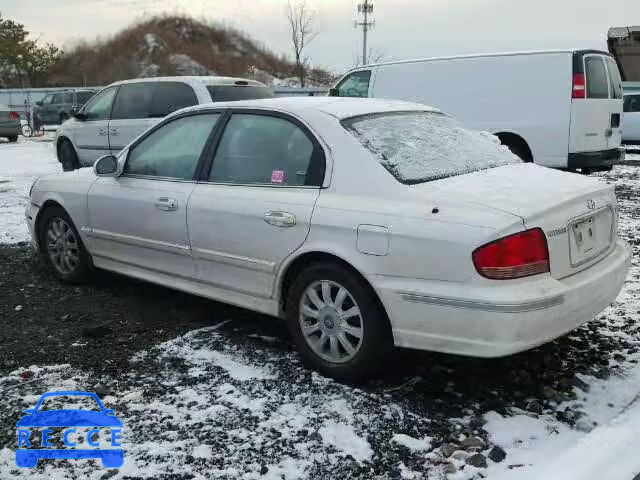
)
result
[(591, 204), (27, 455)]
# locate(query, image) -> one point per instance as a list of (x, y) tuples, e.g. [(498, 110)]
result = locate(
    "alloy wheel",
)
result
[(63, 246), (331, 321)]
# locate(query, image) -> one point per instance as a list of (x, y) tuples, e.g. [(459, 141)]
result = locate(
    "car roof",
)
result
[(205, 80), (338, 107)]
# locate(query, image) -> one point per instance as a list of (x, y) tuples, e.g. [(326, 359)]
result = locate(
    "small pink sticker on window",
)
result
[(277, 176)]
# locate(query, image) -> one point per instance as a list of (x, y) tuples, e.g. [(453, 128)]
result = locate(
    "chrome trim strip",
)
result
[(235, 260), (151, 177), (180, 277), (92, 147), (139, 242), (487, 307), (267, 185)]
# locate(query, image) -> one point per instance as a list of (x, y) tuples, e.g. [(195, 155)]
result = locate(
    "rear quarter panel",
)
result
[(526, 94)]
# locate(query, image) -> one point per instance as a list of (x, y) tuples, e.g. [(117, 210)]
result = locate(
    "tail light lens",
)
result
[(579, 88), (14, 116), (520, 255)]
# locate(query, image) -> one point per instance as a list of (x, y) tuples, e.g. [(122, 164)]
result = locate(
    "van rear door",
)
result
[(596, 103)]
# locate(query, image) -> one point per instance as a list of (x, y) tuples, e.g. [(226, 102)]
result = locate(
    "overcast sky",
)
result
[(404, 28)]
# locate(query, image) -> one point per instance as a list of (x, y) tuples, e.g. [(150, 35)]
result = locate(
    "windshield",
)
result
[(417, 147), (230, 93)]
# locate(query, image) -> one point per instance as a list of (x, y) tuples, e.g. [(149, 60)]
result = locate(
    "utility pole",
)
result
[(366, 9)]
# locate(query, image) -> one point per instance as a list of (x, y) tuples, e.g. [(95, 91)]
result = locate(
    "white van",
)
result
[(559, 109)]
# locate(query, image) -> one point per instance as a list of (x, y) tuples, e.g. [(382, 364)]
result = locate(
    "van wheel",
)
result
[(67, 156), (63, 118), (13, 139), (336, 323), (517, 145), (62, 246)]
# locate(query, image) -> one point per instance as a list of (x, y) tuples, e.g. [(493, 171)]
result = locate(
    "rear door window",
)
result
[(615, 81), (597, 78), (355, 85), (230, 93), (167, 97), (632, 103), (84, 97), (133, 101)]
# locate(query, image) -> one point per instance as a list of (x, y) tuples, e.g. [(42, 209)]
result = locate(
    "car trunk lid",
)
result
[(577, 213)]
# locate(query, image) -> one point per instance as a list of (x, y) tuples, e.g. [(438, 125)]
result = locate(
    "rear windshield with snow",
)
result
[(231, 93), (417, 147)]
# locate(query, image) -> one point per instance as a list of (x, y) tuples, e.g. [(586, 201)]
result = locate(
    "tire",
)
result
[(369, 351), (67, 156), (13, 139), (63, 118), (62, 247)]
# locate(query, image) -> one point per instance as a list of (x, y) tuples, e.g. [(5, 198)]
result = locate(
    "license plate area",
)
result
[(590, 236)]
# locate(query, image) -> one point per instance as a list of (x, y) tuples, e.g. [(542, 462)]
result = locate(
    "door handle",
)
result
[(102, 132), (608, 132), (280, 219), (114, 131), (167, 204)]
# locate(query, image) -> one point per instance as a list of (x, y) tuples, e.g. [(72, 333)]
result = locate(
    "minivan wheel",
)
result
[(62, 246), (336, 323), (67, 156)]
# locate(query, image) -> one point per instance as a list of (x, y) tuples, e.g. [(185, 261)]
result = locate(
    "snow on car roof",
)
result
[(339, 107), (207, 80)]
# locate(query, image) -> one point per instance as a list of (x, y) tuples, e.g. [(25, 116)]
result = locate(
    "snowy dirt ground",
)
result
[(210, 391)]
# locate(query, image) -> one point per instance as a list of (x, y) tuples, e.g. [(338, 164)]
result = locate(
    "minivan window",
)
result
[(597, 80), (57, 99), (355, 85), (417, 147), (614, 78), (230, 93), (132, 101), (631, 103), (99, 108), (84, 97), (167, 97)]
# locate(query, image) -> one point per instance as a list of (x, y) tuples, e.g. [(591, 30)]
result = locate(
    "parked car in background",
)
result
[(631, 122), (559, 109), (56, 107), (364, 223), (9, 123), (124, 110)]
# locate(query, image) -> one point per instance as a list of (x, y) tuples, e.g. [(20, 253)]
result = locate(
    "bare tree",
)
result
[(374, 55), (301, 18)]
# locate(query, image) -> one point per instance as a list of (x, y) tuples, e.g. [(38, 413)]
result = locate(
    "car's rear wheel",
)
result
[(337, 324), (63, 248), (67, 156), (13, 139)]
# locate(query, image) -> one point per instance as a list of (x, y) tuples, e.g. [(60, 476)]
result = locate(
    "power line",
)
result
[(365, 9)]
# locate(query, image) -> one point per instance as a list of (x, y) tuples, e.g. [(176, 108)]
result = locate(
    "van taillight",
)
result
[(14, 116), (520, 255), (579, 86)]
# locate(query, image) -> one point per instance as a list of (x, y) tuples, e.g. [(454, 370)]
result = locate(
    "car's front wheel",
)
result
[(67, 156), (13, 139), (63, 248), (337, 324)]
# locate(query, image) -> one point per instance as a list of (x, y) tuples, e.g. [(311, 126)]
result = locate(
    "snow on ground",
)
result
[(20, 164)]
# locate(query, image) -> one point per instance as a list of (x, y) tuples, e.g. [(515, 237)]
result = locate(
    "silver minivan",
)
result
[(123, 110)]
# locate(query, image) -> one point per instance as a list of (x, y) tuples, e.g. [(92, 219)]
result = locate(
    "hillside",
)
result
[(176, 46)]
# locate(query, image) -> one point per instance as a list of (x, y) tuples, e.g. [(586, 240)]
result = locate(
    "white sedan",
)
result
[(364, 223), (631, 120)]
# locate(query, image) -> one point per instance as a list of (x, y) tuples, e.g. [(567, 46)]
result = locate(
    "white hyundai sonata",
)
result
[(364, 223)]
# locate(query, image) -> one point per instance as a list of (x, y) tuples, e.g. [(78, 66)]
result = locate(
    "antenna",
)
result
[(365, 9)]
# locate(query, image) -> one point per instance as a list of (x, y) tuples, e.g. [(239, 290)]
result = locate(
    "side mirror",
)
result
[(73, 111), (333, 92), (39, 103), (106, 166)]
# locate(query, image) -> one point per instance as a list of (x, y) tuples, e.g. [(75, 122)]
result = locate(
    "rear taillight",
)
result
[(14, 116), (520, 255), (579, 88)]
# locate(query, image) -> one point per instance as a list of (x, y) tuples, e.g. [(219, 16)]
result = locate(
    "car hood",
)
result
[(525, 190), (69, 418)]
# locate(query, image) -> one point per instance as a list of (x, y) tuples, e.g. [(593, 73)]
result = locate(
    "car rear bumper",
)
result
[(31, 214), (494, 319), (602, 158), (9, 129)]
